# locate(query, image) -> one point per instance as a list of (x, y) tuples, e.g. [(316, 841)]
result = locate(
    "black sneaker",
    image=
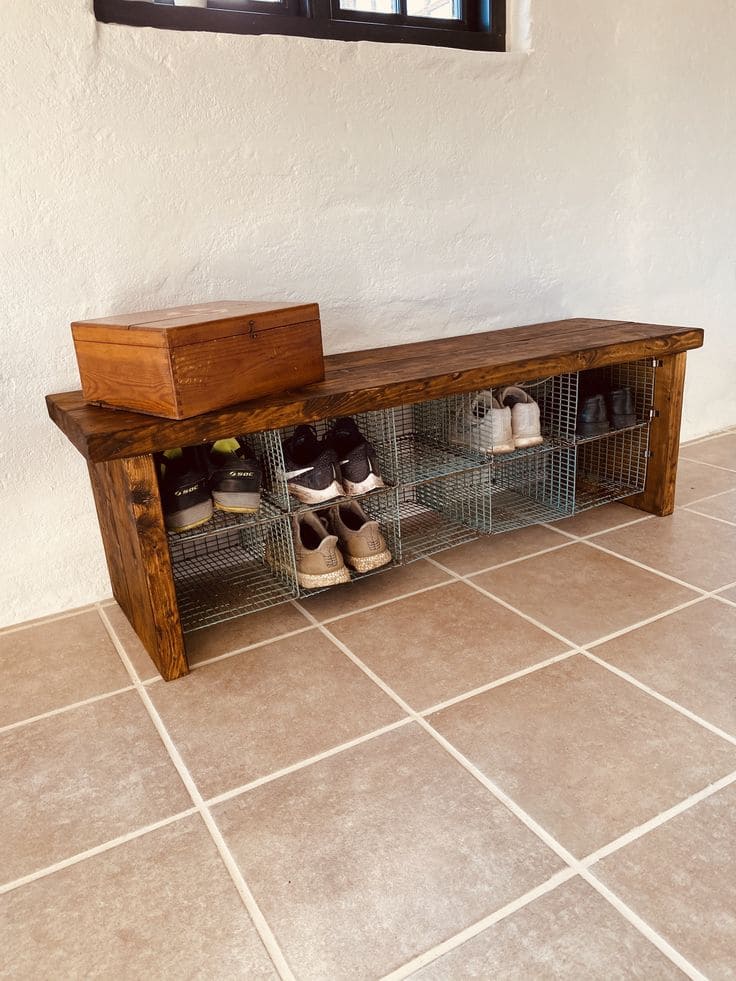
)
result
[(621, 408), (184, 485), (235, 476), (592, 417), (357, 457), (311, 469)]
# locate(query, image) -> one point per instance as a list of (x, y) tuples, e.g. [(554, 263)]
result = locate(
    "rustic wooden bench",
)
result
[(119, 445)]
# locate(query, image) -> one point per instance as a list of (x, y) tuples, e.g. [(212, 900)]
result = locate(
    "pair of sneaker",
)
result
[(603, 411), (342, 464), (196, 479), (500, 425), (328, 541)]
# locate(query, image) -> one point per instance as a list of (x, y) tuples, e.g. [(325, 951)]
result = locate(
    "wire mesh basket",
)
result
[(445, 485), (381, 506), (530, 489), (235, 564), (377, 427), (611, 467), (444, 512), (638, 376), (464, 431), (423, 447)]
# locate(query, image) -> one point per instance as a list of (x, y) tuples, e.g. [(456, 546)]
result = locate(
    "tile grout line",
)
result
[(593, 534), (64, 708), (704, 593), (502, 565), (587, 540), (703, 463), (583, 649), (258, 919), (451, 577), (506, 679), (713, 517), (303, 764), (615, 634), (539, 831), (646, 568), (663, 945), (386, 602), (119, 646), (78, 611), (245, 649), (657, 821), (659, 697), (647, 931), (569, 644), (468, 933), (696, 440), (724, 599), (101, 604), (106, 846), (457, 940), (708, 497)]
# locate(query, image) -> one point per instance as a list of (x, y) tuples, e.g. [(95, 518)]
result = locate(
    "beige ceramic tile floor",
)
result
[(515, 761)]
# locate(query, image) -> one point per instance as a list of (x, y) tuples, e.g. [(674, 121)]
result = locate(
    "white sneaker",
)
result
[(524, 416), (485, 425)]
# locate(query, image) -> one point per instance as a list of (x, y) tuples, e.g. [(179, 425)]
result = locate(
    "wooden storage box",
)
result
[(188, 360)]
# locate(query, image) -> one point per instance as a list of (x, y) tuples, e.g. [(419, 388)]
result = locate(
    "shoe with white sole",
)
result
[(319, 561), (525, 424), (311, 469), (485, 425), (235, 476), (361, 541), (357, 457), (185, 492)]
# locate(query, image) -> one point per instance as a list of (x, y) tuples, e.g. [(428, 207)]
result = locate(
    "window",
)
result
[(475, 24)]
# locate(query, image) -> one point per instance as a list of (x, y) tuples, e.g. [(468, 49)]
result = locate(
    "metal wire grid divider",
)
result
[(377, 427), (464, 428), (381, 506), (611, 467), (530, 489), (235, 567), (638, 376), (447, 489), (442, 513)]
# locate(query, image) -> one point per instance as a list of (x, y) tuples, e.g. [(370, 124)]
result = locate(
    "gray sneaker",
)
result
[(361, 541), (319, 561)]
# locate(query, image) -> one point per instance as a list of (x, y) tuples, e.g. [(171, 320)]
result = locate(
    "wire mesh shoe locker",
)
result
[(445, 486)]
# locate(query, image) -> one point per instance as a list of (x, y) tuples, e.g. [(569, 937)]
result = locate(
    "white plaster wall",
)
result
[(413, 192)]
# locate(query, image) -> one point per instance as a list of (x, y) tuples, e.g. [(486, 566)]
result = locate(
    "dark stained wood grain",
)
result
[(658, 496), (379, 378), (131, 521)]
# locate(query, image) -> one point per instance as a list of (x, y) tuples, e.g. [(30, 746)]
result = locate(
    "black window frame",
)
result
[(481, 28)]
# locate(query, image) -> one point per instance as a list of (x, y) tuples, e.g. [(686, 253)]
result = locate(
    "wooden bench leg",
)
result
[(134, 536), (664, 440)]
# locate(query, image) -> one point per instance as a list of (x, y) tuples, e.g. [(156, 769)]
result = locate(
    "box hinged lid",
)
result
[(178, 326)]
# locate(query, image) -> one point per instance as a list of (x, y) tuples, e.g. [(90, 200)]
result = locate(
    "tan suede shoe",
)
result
[(361, 541), (319, 561)]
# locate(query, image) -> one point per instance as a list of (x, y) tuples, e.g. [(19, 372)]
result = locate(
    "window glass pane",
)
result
[(372, 6), (447, 9)]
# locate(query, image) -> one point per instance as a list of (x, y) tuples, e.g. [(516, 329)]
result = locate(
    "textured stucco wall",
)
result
[(413, 192)]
